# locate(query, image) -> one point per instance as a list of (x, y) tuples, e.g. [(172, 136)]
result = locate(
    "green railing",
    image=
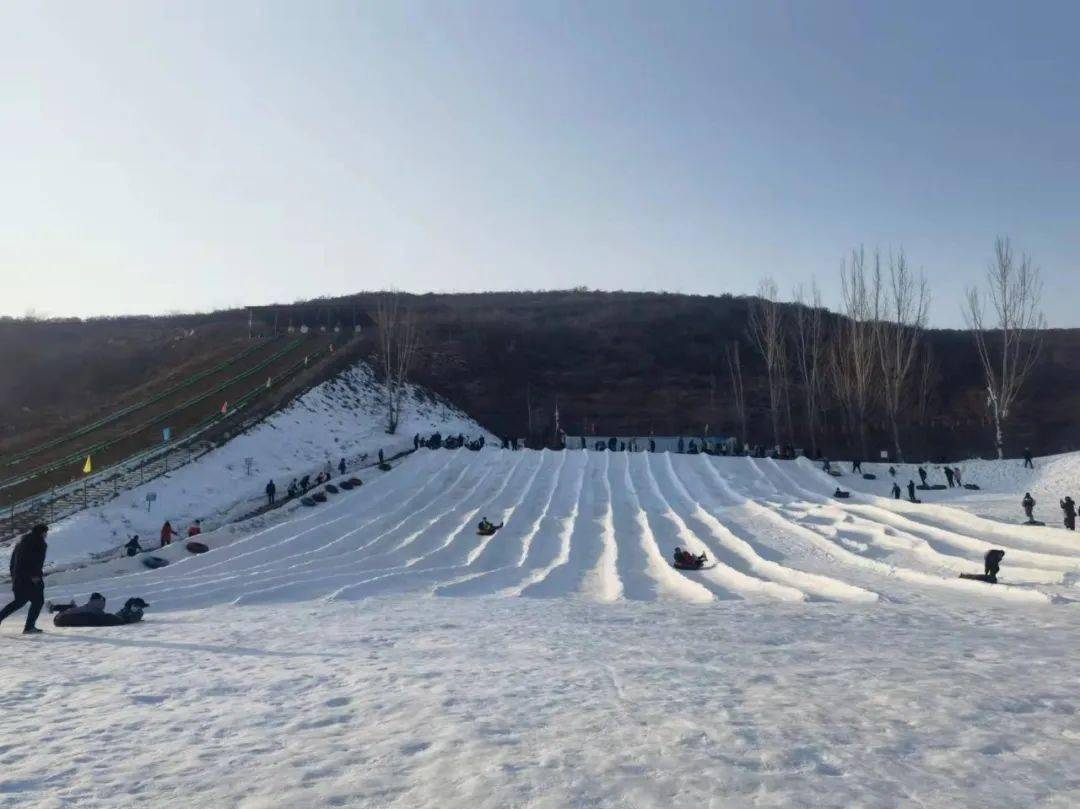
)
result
[(133, 408)]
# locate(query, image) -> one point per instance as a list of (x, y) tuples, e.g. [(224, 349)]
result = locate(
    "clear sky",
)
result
[(187, 156)]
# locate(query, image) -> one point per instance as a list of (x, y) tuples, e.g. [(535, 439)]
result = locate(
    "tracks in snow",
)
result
[(602, 526)]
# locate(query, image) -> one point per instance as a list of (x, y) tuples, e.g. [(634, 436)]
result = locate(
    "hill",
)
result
[(615, 362)]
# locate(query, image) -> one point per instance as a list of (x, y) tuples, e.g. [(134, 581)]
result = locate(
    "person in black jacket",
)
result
[(271, 493), (27, 577)]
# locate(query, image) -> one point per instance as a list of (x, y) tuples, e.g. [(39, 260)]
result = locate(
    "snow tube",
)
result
[(356, 481), (1034, 522), (319, 497), (972, 486), (346, 485), (307, 501), (979, 577), (385, 467), (698, 566), (935, 487), (869, 476), (835, 473), (841, 494), (330, 487), (154, 562), (197, 547)]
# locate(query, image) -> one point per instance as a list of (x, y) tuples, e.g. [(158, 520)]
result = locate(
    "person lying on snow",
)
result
[(687, 559), (486, 527), (93, 613)]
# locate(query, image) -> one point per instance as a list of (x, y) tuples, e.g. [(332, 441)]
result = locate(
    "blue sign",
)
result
[(166, 434)]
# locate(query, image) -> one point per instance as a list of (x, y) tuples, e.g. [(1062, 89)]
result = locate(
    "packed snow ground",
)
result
[(341, 418), (489, 703), (831, 658)]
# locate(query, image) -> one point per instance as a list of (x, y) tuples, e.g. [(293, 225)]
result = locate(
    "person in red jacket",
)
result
[(195, 529), (167, 534)]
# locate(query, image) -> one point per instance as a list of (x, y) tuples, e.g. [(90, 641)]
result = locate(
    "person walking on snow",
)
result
[(956, 474), (1069, 507), (167, 534), (856, 466), (271, 492), (911, 491), (922, 475), (896, 490), (341, 467), (1029, 506), (381, 461), (28, 577), (1027, 459), (949, 476)]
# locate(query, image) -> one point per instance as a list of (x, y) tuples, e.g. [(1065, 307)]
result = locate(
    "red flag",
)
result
[(224, 408)]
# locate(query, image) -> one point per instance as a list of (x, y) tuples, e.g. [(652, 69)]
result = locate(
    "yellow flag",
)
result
[(87, 467)]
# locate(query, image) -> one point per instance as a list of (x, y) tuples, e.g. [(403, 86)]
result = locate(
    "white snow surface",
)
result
[(340, 418), (375, 651)]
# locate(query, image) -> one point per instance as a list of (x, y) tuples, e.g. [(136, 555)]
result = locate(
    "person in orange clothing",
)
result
[(195, 529)]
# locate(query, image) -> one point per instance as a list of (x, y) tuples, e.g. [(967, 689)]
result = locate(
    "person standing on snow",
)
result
[(1069, 507), (896, 490), (28, 577), (922, 475), (341, 467), (1027, 459), (271, 493), (911, 491), (949, 476), (956, 474), (167, 534), (856, 466), (1029, 506), (195, 528)]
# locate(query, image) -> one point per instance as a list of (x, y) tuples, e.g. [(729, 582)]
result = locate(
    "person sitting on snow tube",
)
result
[(687, 559), (486, 528), (93, 613)]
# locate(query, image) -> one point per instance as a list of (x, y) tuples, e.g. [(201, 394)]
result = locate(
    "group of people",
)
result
[(299, 486), (168, 534), (1068, 510), (436, 441)]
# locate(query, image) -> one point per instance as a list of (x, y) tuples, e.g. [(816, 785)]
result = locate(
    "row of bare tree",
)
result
[(870, 360)]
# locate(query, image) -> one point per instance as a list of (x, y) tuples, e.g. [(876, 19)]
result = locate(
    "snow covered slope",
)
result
[(375, 652), (602, 526), (340, 418)]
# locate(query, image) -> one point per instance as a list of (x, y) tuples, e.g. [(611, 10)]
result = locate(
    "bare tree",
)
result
[(809, 350), (766, 327), (398, 342), (905, 304), (1009, 344), (927, 382), (854, 358), (731, 352)]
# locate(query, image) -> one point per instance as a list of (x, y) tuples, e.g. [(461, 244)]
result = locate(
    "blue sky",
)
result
[(161, 156)]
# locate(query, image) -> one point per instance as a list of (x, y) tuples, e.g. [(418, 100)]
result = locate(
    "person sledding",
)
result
[(688, 561), (93, 613), (486, 528)]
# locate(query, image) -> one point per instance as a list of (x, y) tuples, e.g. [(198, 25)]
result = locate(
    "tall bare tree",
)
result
[(854, 359), (731, 352), (808, 344), (766, 327), (905, 303), (1008, 332), (398, 343)]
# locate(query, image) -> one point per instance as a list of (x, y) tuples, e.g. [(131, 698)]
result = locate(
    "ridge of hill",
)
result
[(615, 363)]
